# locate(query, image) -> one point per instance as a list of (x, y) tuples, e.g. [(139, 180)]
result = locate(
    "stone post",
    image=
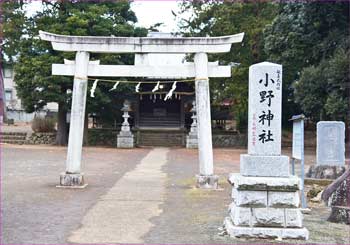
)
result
[(125, 138), (265, 196), (73, 176), (330, 163), (206, 177), (192, 137)]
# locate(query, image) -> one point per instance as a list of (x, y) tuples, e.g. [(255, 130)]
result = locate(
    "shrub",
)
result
[(42, 125)]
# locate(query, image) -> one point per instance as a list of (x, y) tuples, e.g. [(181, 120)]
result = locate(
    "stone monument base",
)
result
[(125, 140), (265, 232), (277, 166), (265, 207), (325, 171), (207, 181), (191, 141), (72, 181)]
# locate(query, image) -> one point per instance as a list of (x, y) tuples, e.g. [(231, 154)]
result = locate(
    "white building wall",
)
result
[(14, 107)]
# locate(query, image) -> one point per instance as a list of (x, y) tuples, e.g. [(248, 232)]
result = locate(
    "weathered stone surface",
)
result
[(207, 181), (325, 172), (330, 143), (271, 217), (265, 233), (292, 183), (192, 141), (249, 198), (294, 218), (301, 234), (283, 199), (125, 141), (264, 116), (241, 216), (72, 180), (265, 166)]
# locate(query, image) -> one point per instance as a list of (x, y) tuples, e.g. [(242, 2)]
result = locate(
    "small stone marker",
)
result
[(330, 151), (331, 143), (266, 201)]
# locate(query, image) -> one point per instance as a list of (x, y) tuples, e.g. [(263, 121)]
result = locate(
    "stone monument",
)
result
[(125, 138), (330, 151), (192, 137), (265, 196)]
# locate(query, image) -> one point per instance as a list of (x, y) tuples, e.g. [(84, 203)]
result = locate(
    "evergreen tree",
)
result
[(34, 82), (217, 18)]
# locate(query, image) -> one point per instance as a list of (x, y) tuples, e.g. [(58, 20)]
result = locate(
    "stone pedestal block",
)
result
[(207, 181), (283, 199), (288, 184), (125, 140), (192, 141), (72, 181), (266, 217), (249, 198), (265, 207), (269, 217), (277, 166), (265, 232), (293, 218)]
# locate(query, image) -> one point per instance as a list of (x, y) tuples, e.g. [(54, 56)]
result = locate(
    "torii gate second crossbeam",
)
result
[(82, 68)]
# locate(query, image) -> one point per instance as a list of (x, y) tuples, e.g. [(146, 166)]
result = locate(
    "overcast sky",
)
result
[(148, 13)]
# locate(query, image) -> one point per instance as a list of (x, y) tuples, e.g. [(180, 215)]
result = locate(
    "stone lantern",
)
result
[(192, 137), (125, 138)]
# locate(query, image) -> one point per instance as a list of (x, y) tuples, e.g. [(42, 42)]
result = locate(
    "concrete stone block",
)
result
[(125, 141), (283, 199), (265, 232), (192, 141), (291, 183), (265, 166), (300, 234), (72, 181), (207, 181), (331, 143), (249, 198), (241, 216), (270, 217), (294, 217)]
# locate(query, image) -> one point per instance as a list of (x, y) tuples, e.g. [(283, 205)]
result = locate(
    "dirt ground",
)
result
[(34, 211)]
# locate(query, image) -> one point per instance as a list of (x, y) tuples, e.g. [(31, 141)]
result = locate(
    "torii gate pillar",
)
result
[(206, 177), (73, 176)]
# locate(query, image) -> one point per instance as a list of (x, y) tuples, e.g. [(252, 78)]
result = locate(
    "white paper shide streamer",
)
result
[(114, 86), (93, 88), (137, 88), (170, 93), (156, 87)]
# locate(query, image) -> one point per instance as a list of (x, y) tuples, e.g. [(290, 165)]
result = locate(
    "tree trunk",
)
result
[(62, 126)]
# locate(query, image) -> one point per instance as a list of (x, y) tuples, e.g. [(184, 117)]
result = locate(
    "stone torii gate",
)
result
[(201, 69)]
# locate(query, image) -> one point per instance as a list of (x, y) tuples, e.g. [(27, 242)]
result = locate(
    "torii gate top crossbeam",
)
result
[(100, 44)]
